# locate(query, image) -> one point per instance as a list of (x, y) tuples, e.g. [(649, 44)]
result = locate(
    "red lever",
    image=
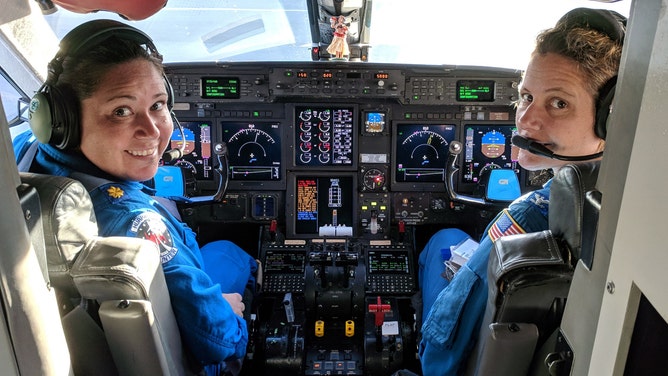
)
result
[(379, 310)]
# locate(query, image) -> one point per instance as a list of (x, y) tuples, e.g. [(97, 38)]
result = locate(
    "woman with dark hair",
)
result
[(109, 121)]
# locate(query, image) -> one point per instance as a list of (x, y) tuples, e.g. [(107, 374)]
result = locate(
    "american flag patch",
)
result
[(504, 225)]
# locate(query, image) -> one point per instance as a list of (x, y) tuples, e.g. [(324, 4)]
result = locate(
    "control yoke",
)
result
[(508, 181), (450, 169)]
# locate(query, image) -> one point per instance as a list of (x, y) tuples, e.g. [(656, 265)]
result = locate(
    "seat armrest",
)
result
[(515, 252), (121, 269), (116, 268), (133, 319), (508, 349)]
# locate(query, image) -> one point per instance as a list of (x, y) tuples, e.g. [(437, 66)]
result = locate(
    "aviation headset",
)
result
[(54, 110), (613, 25)]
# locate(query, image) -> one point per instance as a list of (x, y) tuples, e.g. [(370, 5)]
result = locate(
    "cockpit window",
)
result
[(476, 32), (14, 102)]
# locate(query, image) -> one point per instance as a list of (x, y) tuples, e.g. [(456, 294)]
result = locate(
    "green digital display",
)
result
[(220, 88), (475, 91)]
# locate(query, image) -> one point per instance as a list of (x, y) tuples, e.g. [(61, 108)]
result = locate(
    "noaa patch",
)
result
[(150, 226)]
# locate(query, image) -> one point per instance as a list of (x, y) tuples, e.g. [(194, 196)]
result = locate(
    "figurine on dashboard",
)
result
[(339, 46)]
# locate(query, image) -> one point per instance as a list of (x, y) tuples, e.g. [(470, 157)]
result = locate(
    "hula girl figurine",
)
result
[(339, 46)]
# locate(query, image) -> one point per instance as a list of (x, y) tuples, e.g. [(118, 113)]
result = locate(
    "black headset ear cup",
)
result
[(39, 115), (604, 106), (54, 117)]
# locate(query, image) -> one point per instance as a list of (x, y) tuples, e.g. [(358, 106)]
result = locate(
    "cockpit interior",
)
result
[(333, 172)]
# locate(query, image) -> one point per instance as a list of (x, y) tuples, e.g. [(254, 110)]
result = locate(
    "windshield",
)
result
[(474, 32)]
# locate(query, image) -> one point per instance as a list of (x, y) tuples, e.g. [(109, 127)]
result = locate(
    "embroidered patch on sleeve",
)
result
[(150, 226), (504, 225)]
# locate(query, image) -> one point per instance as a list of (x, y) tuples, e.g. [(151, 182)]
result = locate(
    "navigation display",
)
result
[(488, 145), (197, 149), (254, 150), (324, 136), (422, 151)]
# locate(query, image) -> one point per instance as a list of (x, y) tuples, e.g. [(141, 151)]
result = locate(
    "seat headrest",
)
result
[(68, 221), (567, 199)]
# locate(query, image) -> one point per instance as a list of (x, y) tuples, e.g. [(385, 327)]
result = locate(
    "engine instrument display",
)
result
[(324, 136), (197, 148), (422, 151), (324, 205), (488, 146), (254, 150)]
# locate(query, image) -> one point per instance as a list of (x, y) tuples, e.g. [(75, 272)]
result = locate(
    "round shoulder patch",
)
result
[(150, 226)]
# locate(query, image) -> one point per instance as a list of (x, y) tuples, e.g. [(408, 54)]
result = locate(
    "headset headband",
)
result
[(88, 35), (606, 21)]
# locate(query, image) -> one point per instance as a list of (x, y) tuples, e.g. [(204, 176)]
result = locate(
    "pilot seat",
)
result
[(529, 276)]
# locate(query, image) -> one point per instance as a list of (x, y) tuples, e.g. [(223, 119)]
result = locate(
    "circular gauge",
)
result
[(325, 115), (305, 137), (324, 158), (324, 127), (305, 157), (305, 146), (324, 147), (306, 115), (251, 145), (305, 127), (425, 146), (187, 165), (373, 179)]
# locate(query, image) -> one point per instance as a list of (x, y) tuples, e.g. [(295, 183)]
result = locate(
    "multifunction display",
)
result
[(324, 205), (324, 136), (197, 149), (488, 146), (254, 150), (422, 151)]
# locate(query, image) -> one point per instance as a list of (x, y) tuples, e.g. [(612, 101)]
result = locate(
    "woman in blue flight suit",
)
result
[(557, 109), (104, 117)]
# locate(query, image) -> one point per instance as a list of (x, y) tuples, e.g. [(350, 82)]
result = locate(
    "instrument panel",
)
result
[(340, 168), (383, 131)]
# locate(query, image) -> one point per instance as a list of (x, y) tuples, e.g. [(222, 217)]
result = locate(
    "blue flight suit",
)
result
[(453, 311), (209, 328)]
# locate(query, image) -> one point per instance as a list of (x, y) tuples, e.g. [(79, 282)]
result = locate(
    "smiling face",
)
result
[(555, 110), (126, 124)]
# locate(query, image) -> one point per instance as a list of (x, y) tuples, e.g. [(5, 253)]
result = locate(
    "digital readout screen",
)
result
[(475, 90), (284, 262), (384, 262), (220, 88)]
